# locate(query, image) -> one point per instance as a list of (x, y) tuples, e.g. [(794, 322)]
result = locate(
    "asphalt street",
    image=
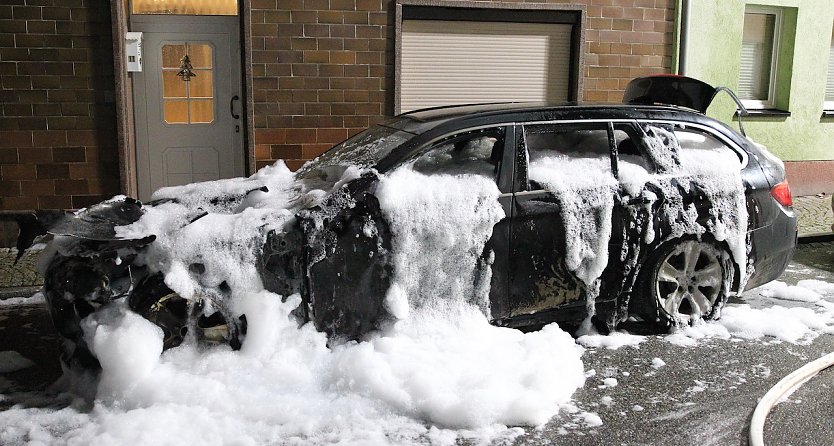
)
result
[(701, 395), (705, 395)]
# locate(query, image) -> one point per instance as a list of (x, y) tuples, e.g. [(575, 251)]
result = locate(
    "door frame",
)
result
[(125, 119)]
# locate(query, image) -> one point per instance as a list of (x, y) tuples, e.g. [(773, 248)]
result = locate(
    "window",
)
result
[(187, 83), (829, 86), (472, 153), (759, 52), (568, 156), (189, 7)]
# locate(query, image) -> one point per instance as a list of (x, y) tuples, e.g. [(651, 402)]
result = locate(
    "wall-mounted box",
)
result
[(133, 51)]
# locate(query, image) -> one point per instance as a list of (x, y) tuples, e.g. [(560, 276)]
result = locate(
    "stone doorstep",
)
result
[(21, 274)]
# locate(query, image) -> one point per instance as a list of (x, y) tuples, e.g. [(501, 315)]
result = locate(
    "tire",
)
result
[(685, 281)]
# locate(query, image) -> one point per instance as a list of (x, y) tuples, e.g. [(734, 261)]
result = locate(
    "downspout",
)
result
[(682, 30)]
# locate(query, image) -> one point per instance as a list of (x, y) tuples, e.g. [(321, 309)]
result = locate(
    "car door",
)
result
[(562, 211), (484, 152)]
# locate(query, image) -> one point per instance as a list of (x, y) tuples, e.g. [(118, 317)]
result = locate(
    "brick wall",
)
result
[(57, 128), (323, 69), (628, 39)]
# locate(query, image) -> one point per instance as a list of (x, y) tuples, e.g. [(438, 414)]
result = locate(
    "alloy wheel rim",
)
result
[(688, 281)]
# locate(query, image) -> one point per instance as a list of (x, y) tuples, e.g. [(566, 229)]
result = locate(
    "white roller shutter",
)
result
[(829, 86), (449, 62)]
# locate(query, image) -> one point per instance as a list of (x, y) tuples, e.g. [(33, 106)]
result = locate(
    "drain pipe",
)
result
[(787, 385), (683, 35)]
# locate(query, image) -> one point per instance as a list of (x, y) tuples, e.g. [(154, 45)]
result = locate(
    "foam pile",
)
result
[(439, 373)]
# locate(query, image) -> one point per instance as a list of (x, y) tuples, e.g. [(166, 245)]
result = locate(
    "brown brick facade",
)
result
[(57, 133), (323, 69)]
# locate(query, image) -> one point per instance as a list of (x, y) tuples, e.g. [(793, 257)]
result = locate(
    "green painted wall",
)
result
[(713, 48)]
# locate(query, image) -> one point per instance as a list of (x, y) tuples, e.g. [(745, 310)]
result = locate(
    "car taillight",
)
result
[(782, 193)]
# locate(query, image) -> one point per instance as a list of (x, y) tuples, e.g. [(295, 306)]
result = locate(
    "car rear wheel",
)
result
[(686, 281)]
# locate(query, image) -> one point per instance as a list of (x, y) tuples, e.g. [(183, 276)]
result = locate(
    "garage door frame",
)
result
[(574, 15)]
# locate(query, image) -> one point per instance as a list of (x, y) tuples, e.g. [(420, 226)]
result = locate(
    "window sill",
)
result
[(765, 113), (827, 114)]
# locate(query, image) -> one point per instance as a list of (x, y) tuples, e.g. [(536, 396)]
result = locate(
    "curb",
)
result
[(18, 291), (816, 238)]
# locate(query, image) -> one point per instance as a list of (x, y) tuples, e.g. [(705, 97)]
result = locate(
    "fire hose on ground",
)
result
[(786, 386)]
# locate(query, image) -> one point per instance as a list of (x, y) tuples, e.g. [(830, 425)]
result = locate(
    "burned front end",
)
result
[(337, 256)]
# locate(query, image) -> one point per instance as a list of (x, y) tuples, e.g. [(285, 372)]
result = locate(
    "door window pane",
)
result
[(200, 86), (171, 55), (176, 112), (473, 153), (188, 83), (201, 112), (564, 157), (200, 55), (189, 7), (173, 86)]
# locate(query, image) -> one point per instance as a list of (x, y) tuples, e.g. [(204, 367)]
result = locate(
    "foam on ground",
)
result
[(440, 373)]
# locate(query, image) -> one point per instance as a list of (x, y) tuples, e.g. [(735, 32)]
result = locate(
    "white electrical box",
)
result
[(133, 51)]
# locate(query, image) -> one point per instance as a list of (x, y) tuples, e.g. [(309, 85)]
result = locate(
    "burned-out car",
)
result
[(596, 213)]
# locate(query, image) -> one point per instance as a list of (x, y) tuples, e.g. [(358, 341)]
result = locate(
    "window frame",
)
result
[(778, 14)]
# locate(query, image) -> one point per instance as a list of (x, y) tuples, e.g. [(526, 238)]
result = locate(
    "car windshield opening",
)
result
[(363, 150)]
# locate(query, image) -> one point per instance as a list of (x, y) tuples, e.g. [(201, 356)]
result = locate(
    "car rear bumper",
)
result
[(773, 247)]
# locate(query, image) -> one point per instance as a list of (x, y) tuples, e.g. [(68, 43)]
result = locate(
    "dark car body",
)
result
[(344, 290), (343, 271)]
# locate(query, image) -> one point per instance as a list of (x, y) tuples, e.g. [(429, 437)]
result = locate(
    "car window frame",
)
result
[(522, 165), (505, 174), (733, 145)]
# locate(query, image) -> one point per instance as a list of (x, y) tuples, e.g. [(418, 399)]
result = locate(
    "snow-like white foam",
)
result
[(658, 363), (782, 290), (794, 325), (612, 341), (431, 375), (715, 173), (440, 225), (586, 203)]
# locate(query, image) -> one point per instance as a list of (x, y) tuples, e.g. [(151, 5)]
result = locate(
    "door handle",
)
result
[(232, 106), (638, 201)]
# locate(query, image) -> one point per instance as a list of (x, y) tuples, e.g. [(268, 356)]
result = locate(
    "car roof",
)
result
[(420, 121)]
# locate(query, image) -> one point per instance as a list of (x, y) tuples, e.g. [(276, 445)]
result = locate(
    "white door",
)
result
[(187, 101)]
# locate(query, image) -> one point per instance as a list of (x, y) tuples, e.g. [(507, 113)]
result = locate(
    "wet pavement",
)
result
[(702, 395), (706, 395)]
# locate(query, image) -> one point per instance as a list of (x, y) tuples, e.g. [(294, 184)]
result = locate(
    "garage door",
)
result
[(464, 62)]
